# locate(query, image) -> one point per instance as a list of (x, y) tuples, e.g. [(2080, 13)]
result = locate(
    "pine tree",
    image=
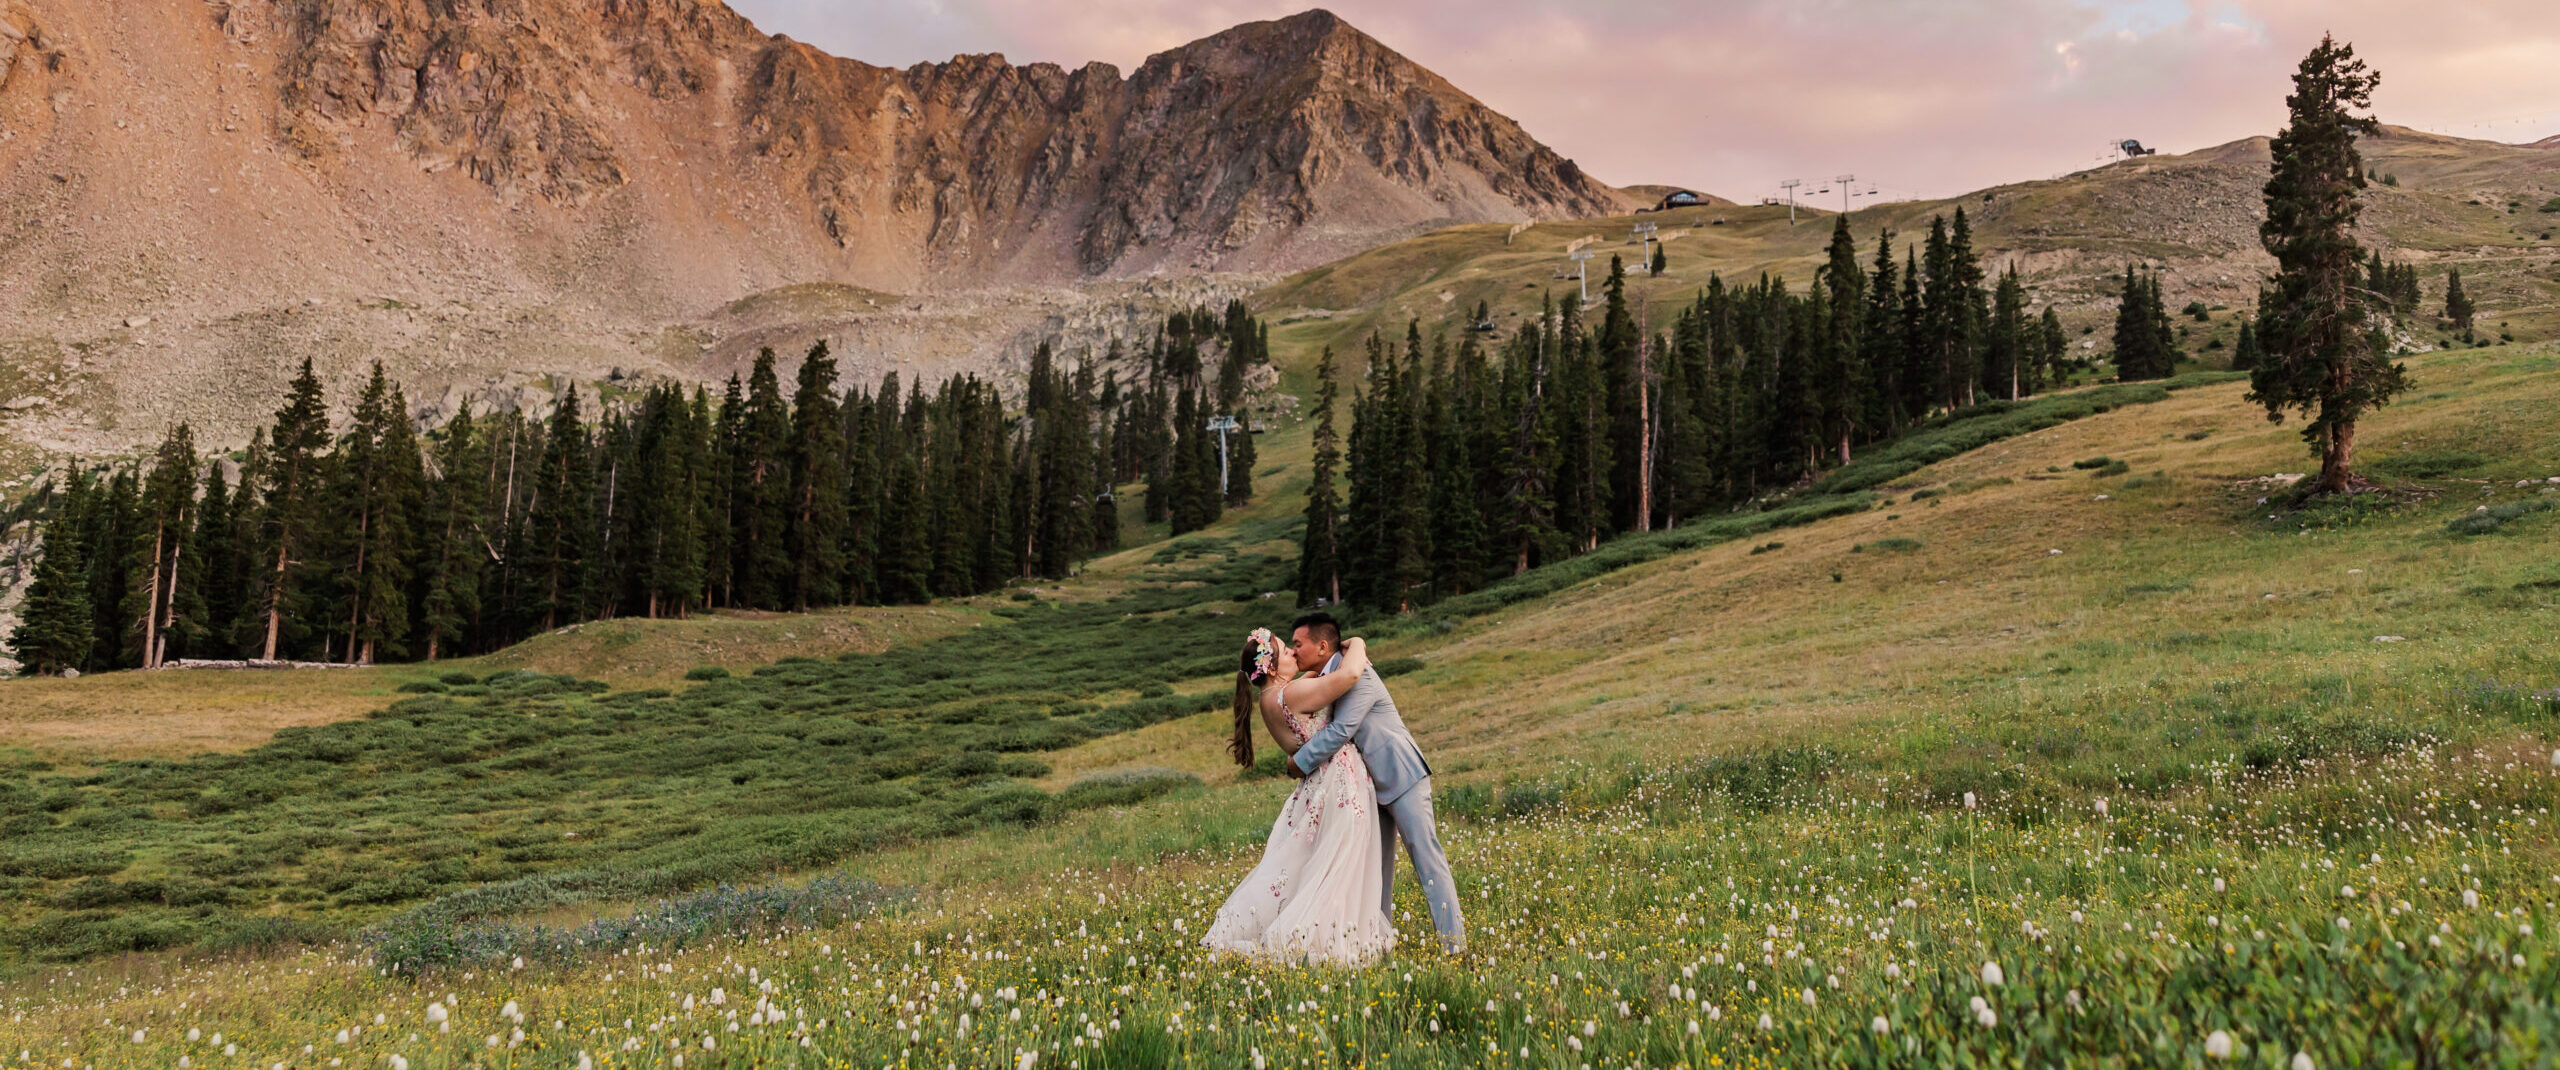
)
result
[(373, 504), (289, 513), (1319, 562), (2053, 345), (2244, 352), (763, 491), (455, 540), (217, 553), (114, 521), (55, 626), (1661, 261), (560, 523), (906, 558), (1408, 522), (1881, 344), (1841, 377), (2323, 356), (1919, 345), (1154, 451), (2007, 354), (1457, 542), (726, 507), (1528, 485), (2139, 347), (1621, 416), (814, 530), (2457, 304), (164, 602), (1941, 319), (2165, 359), (1058, 467), (862, 509), (1973, 314)]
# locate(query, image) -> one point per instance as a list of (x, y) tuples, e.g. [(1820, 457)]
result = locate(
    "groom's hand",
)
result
[(1291, 764)]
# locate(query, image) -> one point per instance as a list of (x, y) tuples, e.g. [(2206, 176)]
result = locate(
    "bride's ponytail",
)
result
[(1260, 652), (1242, 745)]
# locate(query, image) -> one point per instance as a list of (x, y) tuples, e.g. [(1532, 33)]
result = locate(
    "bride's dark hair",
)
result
[(1249, 675)]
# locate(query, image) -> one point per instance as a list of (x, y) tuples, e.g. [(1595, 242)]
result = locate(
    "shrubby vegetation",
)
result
[(522, 790)]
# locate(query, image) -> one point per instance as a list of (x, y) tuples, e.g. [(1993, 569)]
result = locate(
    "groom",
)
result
[(1365, 717)]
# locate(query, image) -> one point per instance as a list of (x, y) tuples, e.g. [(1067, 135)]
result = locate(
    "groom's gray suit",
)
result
[(1367, 718)]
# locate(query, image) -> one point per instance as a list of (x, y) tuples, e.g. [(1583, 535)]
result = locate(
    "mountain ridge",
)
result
[(485, 193)]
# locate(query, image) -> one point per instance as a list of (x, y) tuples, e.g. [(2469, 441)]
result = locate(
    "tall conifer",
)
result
[(2323, 356)]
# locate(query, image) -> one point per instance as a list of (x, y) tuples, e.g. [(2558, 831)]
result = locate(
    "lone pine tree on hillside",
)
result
[(2457, 303), (2245, 353), (2323, 354)]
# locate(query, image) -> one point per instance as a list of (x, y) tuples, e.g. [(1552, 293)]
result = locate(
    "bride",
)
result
[(1315, 897)]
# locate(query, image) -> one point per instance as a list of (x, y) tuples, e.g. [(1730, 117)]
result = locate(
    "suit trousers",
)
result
[(1409, 817)]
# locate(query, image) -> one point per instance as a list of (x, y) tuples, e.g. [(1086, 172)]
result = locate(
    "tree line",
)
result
[(384, 542), (1466, 466)]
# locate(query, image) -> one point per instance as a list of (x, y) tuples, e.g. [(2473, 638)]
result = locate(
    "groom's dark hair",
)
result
[(1320, 627)]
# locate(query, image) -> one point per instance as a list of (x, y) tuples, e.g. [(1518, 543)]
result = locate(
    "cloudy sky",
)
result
[(1915, 97)]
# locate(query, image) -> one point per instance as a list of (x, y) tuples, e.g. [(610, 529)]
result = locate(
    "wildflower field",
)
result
[(2136, 763)]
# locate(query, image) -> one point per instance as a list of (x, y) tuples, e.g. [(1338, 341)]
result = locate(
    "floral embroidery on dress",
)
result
[(1332, 920)]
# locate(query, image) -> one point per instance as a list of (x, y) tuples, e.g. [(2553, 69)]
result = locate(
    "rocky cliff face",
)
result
[(204, 192), (1273, 145)]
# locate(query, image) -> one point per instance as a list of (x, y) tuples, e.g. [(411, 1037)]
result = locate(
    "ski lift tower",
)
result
[(1222, 423), (1644, 237), (1844, 181), (1582, 273), (1790, 186)]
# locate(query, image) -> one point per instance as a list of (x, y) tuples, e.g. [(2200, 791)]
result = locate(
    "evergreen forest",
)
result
[(368, 540), (1470, 466)]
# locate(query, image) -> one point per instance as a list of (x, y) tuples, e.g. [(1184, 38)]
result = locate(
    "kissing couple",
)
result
[(1325, 889)]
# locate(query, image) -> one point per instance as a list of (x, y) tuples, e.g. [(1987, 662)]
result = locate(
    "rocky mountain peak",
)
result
[(479, 189)]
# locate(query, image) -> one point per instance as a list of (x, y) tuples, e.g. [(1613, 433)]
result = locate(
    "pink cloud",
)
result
[(1920, 97)]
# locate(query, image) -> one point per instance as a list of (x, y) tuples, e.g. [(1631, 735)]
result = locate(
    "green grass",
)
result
[(1680, 782), (503, 785)]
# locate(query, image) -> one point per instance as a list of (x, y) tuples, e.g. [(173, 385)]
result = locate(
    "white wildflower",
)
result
[(2218, 1045), (1991, 974), (1880, 1026)]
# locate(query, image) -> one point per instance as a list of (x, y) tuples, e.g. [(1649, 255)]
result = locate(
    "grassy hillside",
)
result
[(180, 712), (2458, 202), (2274, 771)]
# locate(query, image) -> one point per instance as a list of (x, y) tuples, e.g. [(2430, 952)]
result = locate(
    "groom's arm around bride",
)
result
[(1366, 716)]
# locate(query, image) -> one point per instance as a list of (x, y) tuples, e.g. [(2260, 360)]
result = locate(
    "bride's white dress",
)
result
[(1315, 899)]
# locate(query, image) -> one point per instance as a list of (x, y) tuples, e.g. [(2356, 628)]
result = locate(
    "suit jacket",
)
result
[(1366, 717)]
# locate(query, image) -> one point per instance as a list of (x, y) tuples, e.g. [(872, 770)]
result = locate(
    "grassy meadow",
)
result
[(2081, 742), (182, 712)]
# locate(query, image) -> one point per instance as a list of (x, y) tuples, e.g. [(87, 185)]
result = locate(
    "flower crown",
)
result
[(1268, 646)]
